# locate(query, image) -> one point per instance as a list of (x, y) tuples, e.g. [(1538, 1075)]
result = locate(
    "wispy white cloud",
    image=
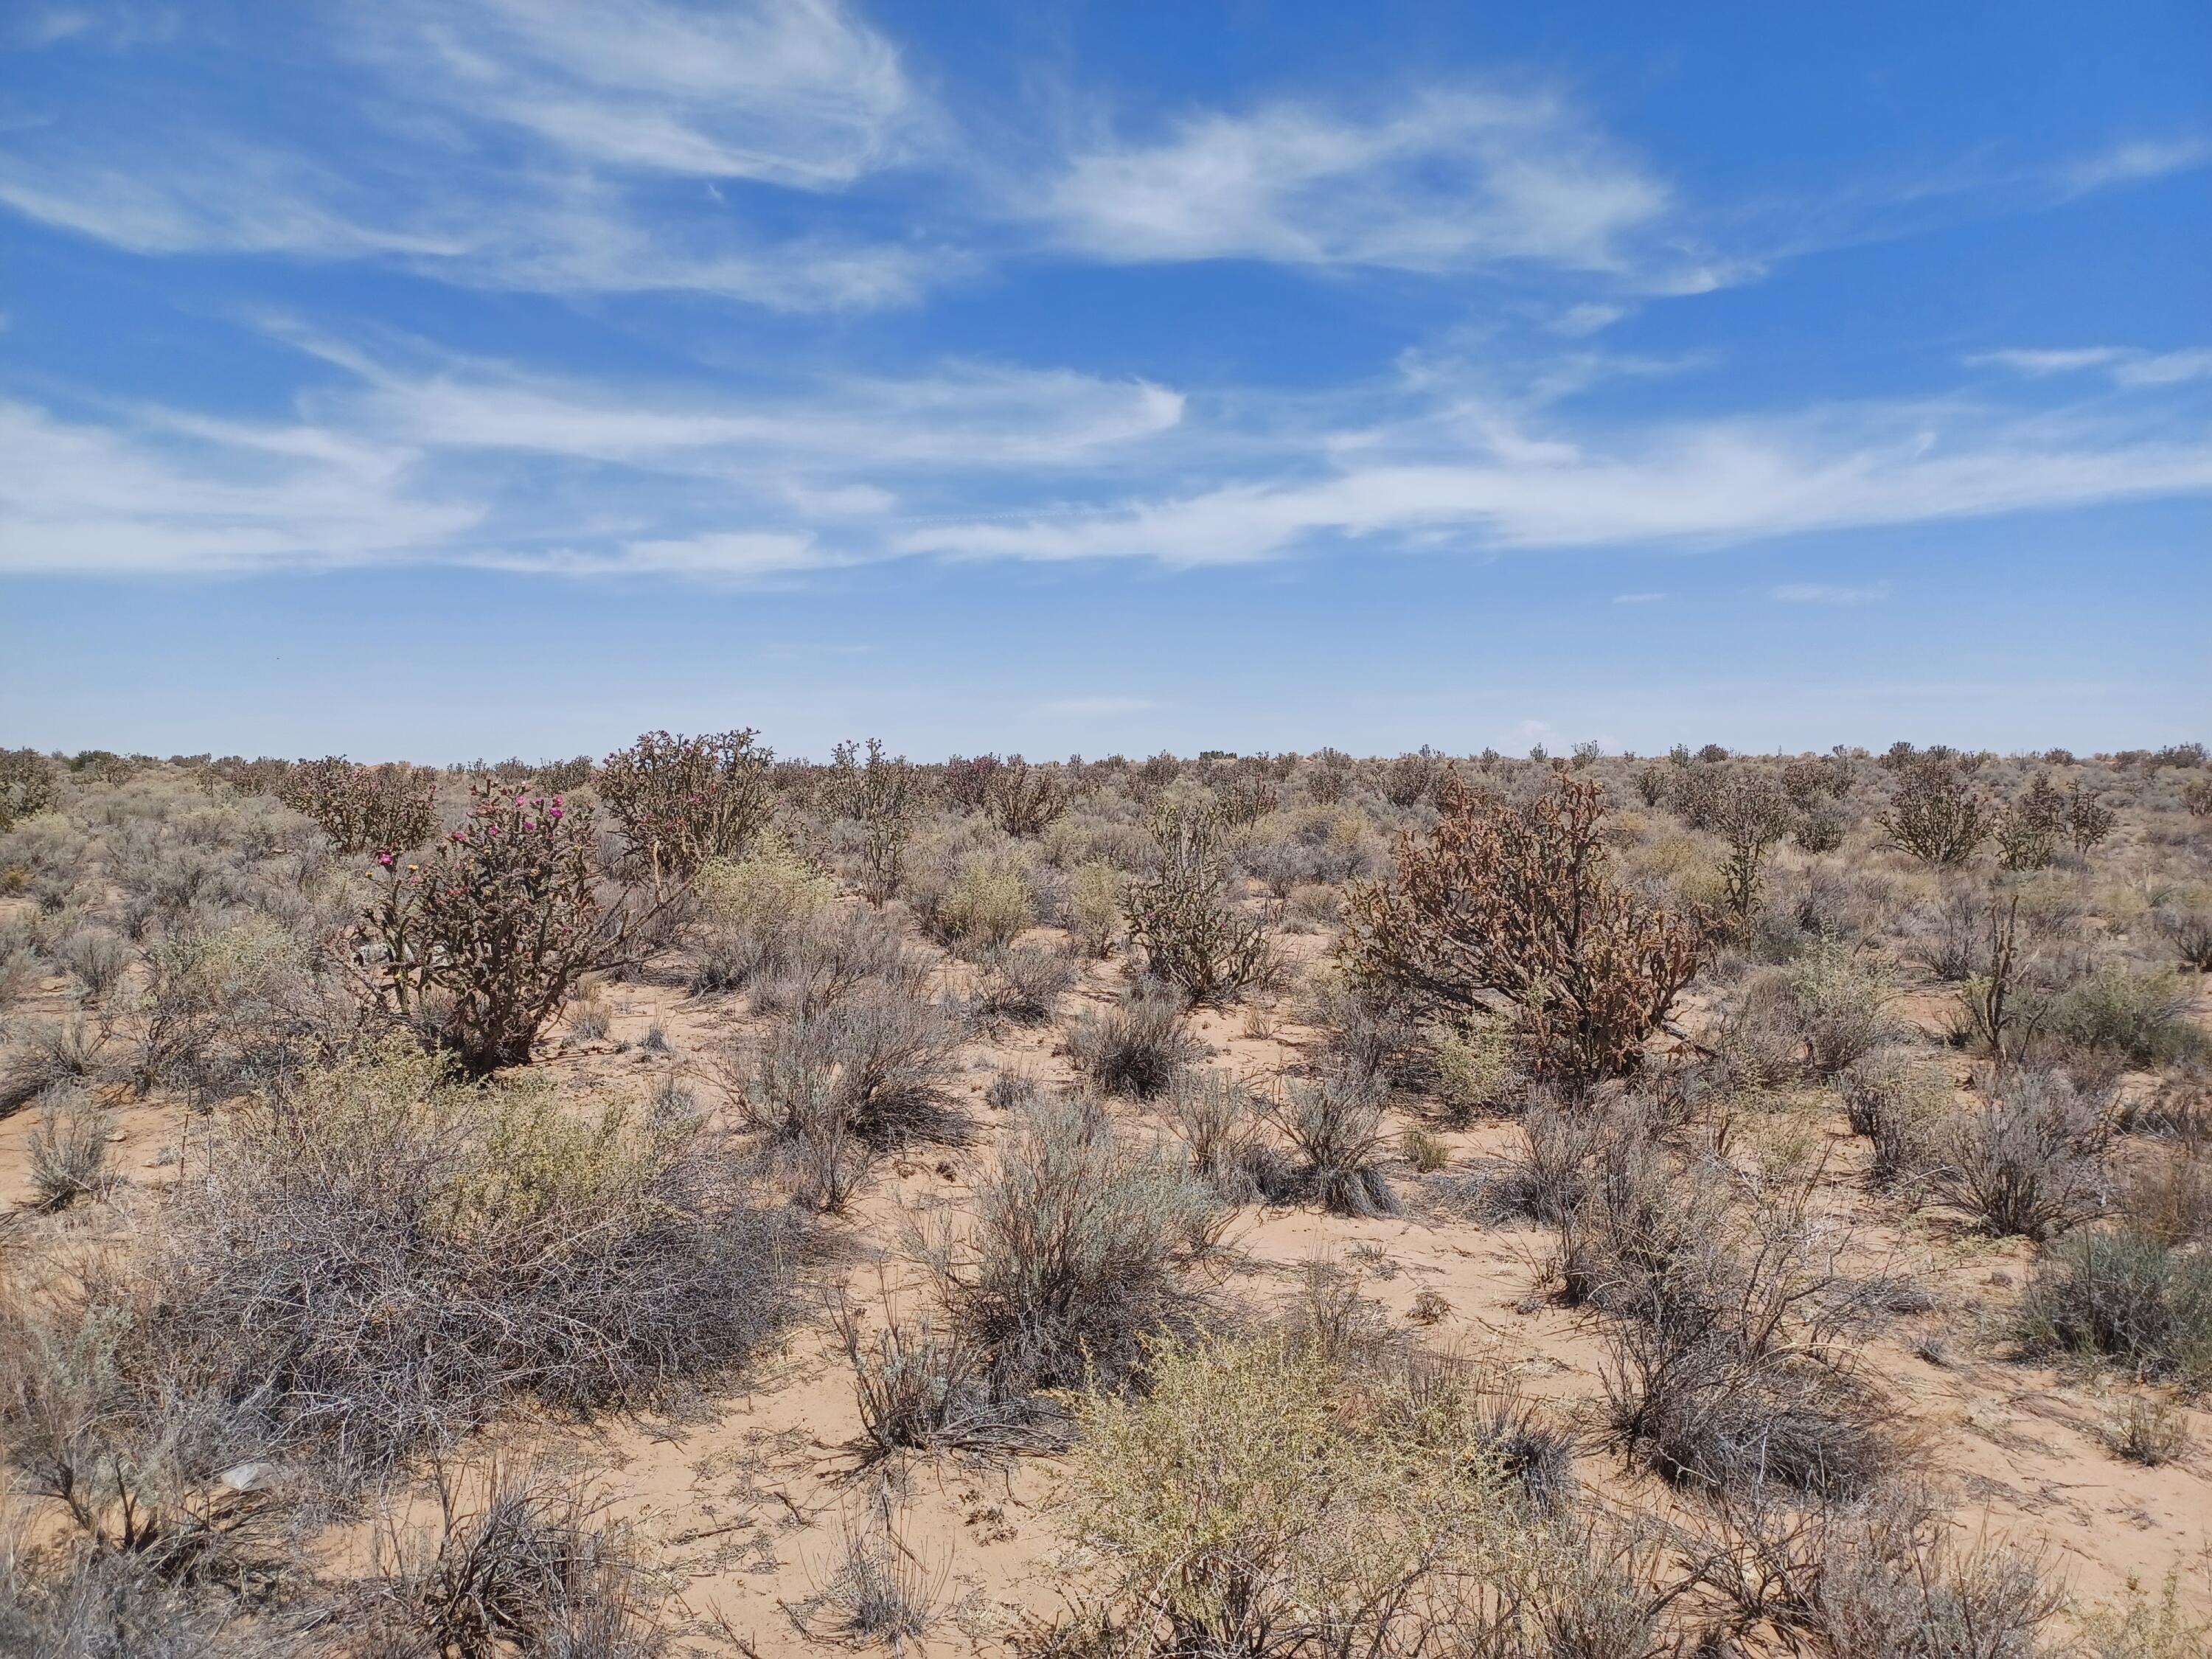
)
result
[(966, 416), (1706, 483), (505, 145), (2133, 161), (1830, 594), (463, 461), (798, 93), (1444, 181), (2128, 365), (1637, 599), (76, 496)]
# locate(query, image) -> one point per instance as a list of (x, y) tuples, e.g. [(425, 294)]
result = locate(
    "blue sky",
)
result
[(440, 378)]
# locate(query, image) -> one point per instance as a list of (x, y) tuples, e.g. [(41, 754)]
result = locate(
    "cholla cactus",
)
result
[(682, 800), (1515, 904), (1936, 814), (1022, 798), (1181, 916), (364, 809), (478, 944), (27, 785)]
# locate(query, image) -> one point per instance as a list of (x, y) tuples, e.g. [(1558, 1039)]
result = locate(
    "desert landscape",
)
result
[(701, 1202)]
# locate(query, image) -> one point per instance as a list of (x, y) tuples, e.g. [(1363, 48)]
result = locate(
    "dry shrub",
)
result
[(67, 1152), (1081, 1245), (1721, 1372), (2121, 1295), (1136, 1046), (1516, 904), (1026, 982), (1182, 918), (1265, 1498), (523, 1560), (1336, 1125), (750, 911), (377, 1259), (2029, 1159)]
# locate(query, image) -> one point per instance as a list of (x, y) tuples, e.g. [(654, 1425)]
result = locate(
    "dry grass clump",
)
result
[(1336, 1125), (521, 1560), (2119, 1295), (1879, 1575), (1830, 1006), (2167, 1624), (1264, 1496), (870, 1065), (1136, 1046), (881, 1588), (67, 1150), (2140, 1015), (112, 1605), (2029, 1159), (1219, 1121), (50, 1054), (1081, 1245), (1025, 983), (376, 1259), (1722, 1371)]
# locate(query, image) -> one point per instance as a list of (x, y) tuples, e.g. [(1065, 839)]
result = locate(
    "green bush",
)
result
[(2140, 1015)]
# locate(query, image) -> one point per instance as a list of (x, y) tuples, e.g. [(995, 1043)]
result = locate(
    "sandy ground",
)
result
[(750, 1494)]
